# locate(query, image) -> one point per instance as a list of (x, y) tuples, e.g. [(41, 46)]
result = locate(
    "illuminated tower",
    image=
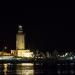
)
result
[(20, 45), (20, 39)]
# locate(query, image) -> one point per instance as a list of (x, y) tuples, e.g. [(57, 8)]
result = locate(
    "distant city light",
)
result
[(66, 54)]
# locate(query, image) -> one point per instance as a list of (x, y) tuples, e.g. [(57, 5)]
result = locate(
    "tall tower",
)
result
[(20, 39)]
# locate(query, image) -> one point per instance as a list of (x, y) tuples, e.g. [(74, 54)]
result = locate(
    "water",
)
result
[(37, 68)]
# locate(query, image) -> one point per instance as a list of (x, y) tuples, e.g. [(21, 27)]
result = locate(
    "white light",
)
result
[(71, 58), (20, 27), (66, 54), (0, 58), (62, 56)]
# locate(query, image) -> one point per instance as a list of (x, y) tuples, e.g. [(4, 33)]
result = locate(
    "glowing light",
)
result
[(71, 58), (62, 56), (20, 27), (20, 41), (66, 54), (5, 69), (25, 69), (25, 53), (27, 64)]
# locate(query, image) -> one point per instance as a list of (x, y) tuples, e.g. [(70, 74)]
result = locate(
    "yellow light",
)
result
[(27, 55), (27, 64), (5, 69), (25, 69)]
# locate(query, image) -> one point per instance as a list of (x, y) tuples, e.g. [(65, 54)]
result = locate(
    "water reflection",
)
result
[(17, 69), (25, 69), (5, 68), (37, 69)]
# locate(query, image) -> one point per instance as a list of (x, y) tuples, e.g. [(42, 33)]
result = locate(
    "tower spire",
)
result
[(20, 29)]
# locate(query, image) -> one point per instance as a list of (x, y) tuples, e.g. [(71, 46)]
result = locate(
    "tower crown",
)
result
[(20, 29)]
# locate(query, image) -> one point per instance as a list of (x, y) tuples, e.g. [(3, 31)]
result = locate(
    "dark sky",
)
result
[(41, 36)]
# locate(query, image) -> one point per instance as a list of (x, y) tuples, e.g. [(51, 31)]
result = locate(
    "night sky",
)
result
[(38, 36)]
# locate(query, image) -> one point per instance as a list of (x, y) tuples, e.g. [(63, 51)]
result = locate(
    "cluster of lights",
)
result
[(6, 57), (66, 56)]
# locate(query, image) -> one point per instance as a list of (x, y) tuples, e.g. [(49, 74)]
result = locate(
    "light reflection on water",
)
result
[(17, 69), (25, 69), (37, 69), (5, 68)]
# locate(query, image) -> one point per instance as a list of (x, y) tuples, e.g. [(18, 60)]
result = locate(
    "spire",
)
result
[(20, 29)]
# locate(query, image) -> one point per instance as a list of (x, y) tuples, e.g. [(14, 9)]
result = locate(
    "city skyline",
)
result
[(39, 37)]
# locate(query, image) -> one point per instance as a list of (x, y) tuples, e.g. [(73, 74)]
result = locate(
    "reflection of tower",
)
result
[(20, 42)]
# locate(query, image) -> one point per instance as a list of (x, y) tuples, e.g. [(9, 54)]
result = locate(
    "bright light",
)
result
[(25, 53), (71, 58), (62, 56), (28, 55), (66, 54), (25, 69), (27, 64), (5, 68), (20, 27), (0, 58)]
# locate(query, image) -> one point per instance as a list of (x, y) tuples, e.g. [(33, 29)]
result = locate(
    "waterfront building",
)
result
[(20, 50), (20, 44)]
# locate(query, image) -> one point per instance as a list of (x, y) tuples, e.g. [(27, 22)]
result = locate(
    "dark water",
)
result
[(37, 69)]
